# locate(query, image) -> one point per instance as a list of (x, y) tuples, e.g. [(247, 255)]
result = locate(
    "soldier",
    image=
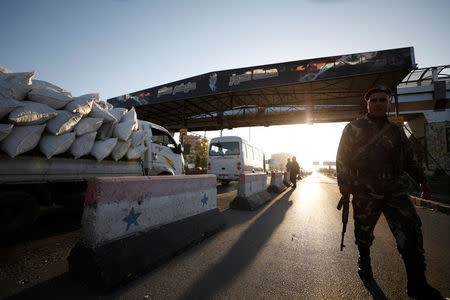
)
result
[(371, 162)]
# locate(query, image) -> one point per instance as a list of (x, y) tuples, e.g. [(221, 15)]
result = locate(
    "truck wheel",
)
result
[(18, 211), (165, 173)]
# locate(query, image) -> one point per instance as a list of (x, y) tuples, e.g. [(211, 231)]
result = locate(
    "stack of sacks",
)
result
[(130, 140), (36, 112)]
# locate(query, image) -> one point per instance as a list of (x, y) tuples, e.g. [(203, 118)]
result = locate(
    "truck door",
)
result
[(167, 160)]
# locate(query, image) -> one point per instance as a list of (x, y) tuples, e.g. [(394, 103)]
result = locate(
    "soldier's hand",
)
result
[(426, 191), (345, 189)]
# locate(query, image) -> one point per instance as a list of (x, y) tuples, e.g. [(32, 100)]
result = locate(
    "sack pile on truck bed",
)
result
[(39, 116)]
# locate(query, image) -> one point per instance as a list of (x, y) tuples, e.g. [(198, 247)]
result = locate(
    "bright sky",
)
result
[(115, 47)]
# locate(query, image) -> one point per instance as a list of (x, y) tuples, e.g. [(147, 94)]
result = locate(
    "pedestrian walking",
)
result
[(288, 165), (294, 170), (373, 158)]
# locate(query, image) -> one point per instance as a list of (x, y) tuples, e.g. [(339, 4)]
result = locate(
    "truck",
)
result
[(29, 183)]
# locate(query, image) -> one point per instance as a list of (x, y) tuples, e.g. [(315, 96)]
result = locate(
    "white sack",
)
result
[(81, 105), (87, 125), (99, 112), (131, 116), (123, 130), (7, 105), (137, 138), (4, 70), (22, 139), (64, 122), (102, 149), (5, 130), (83, 145), (15, 85), (32, 114), (118, 113), (105, 131), (120, 149), (136, 153), (39, 84), (93, 96), (52, 145), (143, 125), (103, 105), (49, 96)]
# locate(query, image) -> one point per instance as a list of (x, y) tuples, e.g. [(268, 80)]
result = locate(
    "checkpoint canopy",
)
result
[(326, 89)]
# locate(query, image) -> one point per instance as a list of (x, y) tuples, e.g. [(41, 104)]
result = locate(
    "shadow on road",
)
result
[(374, 289), (243, 251), (60, 287)]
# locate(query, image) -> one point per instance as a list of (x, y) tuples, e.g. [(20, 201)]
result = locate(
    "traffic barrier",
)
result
[(132, 224), (252, 191), (276, 183), (287, 179)]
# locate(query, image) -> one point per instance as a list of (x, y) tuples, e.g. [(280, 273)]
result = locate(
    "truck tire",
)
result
[(165, 173), (18, 211)]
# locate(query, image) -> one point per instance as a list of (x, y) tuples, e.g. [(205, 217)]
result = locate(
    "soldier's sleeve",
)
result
[(410, 164), (343, 157)]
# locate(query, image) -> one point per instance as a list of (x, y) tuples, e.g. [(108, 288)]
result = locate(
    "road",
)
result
[(288, 249)]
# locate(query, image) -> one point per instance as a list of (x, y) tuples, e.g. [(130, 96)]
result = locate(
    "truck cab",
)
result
[(164, 154)]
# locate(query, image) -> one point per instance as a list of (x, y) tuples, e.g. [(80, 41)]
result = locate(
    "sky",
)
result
[(115, 47)]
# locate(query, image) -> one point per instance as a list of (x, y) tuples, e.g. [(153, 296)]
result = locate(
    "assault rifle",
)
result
[(344, 203)]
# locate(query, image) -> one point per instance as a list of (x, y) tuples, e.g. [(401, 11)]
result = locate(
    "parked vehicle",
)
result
[(30, 181), (230, 156)]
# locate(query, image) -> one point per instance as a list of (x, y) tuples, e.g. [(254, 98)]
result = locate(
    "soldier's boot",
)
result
[(418, 287), (364, 266)]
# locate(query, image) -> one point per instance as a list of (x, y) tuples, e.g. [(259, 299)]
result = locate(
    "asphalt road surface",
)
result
[(288, 249)]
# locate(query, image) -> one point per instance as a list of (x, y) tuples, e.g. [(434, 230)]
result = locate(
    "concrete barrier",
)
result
[(276, 183), (252, 191), (132, 224), (287, 179)]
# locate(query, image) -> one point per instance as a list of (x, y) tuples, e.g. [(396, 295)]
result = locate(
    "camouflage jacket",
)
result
[(381, 167)]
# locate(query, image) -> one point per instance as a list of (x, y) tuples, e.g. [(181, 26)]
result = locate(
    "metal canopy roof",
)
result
[(327, 89), (425, 76)]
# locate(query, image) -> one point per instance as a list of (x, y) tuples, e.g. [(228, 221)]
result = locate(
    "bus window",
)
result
[(224, 148)]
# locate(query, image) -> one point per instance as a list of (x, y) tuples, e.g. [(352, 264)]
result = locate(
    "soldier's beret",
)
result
[(377, 90)]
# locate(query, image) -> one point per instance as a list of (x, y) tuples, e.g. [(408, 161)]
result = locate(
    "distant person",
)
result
[(288, 165), (294, 170), (373, 158)]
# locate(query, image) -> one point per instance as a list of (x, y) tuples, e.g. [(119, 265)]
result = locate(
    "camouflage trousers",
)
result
[(402, 218)]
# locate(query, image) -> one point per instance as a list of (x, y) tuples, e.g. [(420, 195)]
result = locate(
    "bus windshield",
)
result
[(224, 148)]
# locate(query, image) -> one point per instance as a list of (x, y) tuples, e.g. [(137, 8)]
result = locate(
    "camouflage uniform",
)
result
[(380, 185)]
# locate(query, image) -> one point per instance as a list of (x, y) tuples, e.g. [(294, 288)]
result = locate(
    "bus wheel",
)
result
[(18, 211)]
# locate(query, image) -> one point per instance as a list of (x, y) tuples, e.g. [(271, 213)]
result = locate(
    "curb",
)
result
[(440, 207)]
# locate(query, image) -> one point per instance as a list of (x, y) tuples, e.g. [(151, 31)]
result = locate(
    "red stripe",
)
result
[(130, 188)]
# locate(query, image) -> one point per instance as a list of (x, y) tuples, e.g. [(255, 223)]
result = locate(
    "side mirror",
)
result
[(179, 149)]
